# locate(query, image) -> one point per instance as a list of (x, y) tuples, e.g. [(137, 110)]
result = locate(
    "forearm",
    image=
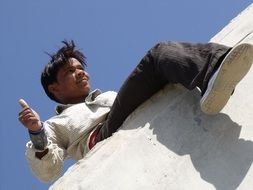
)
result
[(39, 138), (50, 165)]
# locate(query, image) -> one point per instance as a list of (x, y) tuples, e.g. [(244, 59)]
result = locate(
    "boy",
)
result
[(85, 118)]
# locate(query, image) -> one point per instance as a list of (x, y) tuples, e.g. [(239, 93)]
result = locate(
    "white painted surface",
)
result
[(169, 144)]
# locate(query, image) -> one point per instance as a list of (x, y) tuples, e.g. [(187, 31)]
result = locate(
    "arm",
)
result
[(31, 120), (39, 140), (46, 165), (44, 155)]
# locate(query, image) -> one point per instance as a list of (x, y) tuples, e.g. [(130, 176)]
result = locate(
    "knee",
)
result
[(163, 47), (159, 46), (155, 52), (159, 54), (160, 51)]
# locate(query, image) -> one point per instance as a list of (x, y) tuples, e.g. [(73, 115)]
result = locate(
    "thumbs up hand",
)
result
[(28, 117)]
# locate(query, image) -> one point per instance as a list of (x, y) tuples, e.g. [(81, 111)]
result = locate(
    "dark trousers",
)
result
[(190, 64)]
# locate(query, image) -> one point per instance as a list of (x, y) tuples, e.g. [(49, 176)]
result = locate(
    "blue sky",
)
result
[(113, 34)]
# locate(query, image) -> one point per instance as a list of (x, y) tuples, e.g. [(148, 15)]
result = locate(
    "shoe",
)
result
[(233, 68)]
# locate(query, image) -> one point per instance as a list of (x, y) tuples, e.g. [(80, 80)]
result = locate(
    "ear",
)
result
[(54, 89)]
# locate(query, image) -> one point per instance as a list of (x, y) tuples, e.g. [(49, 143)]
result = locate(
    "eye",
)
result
[(71, 69), (80, 67)]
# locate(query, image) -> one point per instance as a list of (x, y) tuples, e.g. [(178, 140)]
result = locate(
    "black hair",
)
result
[(58, 60)]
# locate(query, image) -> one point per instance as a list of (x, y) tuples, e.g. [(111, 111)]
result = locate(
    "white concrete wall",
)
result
[(168, 143)]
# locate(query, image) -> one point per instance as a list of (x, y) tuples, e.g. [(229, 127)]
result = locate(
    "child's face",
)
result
[(72, 84)]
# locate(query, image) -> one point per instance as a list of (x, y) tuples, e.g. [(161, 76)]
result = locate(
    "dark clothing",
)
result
[(190, 64)]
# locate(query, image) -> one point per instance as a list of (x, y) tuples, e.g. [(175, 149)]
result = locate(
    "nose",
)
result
[(81, 73)]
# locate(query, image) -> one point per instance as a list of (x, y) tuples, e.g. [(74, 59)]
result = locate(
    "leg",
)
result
[(141, 84), (168, 62), (221, 85)]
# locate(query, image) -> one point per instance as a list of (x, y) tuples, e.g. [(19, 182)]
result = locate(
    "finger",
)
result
[(25, 111), (27, 115), (23, 103), (28, 118)]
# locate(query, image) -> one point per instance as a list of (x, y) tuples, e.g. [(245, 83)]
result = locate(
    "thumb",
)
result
[(23, 103)]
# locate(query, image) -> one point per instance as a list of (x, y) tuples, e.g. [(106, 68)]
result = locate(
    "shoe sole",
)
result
[(232, 70)]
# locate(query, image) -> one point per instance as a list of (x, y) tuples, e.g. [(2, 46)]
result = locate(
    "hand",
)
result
[(28, 117)]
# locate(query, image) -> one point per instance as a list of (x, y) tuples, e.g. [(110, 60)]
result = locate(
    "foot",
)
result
[(231, 71)]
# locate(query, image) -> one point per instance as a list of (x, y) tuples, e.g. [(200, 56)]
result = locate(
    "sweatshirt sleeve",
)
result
[(50, 166)]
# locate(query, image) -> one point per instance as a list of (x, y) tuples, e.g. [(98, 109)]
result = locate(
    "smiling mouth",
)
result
[(82, 81)]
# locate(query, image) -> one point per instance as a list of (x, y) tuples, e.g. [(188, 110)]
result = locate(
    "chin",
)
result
[(87, 91)]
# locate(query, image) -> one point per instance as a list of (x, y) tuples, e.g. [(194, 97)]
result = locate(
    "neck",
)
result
[(73, 100)]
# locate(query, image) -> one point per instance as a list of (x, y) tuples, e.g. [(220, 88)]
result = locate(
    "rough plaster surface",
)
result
[(168, 143)]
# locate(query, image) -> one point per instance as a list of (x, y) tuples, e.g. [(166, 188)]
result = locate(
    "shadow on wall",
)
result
[(212, 142)]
